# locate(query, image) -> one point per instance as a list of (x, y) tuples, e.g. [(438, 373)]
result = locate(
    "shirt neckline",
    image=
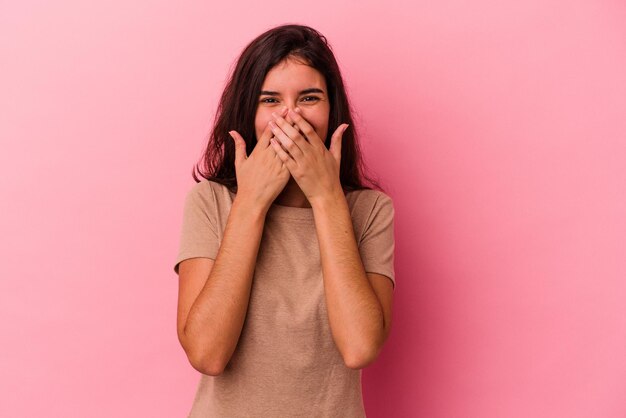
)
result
[(285, 212)]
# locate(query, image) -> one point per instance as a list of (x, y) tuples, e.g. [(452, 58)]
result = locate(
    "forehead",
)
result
[(290, 74)]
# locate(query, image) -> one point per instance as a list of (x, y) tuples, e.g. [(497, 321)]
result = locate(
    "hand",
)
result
[(314, 167), (262, 175)]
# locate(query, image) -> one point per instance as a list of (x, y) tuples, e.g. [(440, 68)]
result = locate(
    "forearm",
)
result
[(216, 318), (354, 312)]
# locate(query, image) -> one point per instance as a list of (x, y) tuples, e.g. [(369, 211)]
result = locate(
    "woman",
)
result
[(285, 264)]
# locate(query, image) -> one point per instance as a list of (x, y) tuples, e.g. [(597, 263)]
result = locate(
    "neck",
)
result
[(292, 196)]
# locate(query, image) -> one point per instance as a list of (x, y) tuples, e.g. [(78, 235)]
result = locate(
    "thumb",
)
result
[(336, 141), (240, 146)]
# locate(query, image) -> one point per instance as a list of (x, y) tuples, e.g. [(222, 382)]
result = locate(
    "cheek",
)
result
[(322, 128), (319, 121), (260, 122)]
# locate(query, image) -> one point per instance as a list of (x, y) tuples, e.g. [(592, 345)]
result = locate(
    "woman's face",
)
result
[(295, 85)]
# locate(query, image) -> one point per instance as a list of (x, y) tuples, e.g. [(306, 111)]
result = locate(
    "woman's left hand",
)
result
[(314, 167)]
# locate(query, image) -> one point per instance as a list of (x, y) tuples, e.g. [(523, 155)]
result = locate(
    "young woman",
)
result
[(285, 263)]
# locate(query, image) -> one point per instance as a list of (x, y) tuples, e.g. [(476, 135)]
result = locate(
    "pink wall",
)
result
[(498, 127)]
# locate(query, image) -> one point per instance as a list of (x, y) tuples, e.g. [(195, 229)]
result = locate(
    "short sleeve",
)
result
[(377, 241), (198, 237)]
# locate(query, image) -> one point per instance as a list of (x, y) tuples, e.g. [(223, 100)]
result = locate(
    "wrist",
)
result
[(330, 198), (249, 206)]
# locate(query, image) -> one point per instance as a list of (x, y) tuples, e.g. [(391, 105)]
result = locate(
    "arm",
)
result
[(214, 294), (358, 303)]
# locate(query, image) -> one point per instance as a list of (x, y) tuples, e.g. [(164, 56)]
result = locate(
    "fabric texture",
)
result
[(286, 363)]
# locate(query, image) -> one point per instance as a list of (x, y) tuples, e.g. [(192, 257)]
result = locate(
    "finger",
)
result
[(305, 127), (240, 147), (279, 144), (336, 141), (285, 157), (292, 132), (264, 140), (290, 121), (287, 142), (289, 135)]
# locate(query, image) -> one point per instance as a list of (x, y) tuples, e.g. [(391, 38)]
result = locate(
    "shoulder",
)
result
[(207, 189), (367, 200), (368, 208), (204, 186), (208, 196)]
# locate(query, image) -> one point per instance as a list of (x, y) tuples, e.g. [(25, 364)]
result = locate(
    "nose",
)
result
[(288, 118), (288, 107)]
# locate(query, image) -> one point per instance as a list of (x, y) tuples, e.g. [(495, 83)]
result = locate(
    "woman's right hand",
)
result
[(262, 175)]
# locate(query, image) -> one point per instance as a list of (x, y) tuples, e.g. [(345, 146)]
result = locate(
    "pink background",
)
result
[(499, 129)]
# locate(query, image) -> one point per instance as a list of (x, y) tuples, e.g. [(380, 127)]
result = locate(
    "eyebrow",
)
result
[(305, 91)]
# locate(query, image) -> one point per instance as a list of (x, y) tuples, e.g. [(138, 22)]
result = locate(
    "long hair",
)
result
[(238, 104)]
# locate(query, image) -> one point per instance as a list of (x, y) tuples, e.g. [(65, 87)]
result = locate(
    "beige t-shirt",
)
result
[(286, 363)]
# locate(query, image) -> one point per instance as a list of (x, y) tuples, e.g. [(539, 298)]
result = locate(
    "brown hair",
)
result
[(239, 101)]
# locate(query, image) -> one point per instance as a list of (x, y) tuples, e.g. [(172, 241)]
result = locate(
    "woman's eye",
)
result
[(267, 99)]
